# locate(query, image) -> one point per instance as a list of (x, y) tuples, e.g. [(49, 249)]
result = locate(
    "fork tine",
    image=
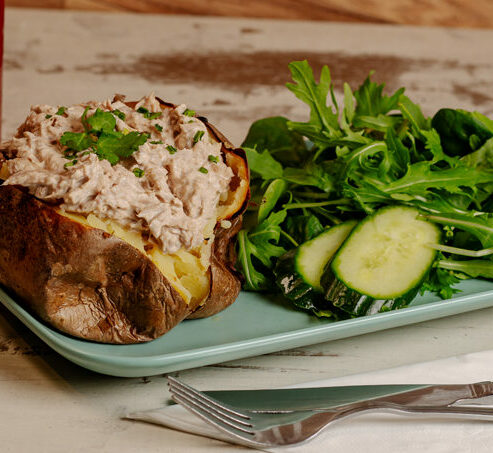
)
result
[(227, 415), (213, 418), (175, 383)]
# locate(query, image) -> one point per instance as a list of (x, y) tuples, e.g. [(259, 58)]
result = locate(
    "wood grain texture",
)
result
[(452, 13), (52, 405)]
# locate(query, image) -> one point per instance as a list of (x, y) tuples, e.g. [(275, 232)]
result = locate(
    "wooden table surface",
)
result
[(449, 13), (233, 72)]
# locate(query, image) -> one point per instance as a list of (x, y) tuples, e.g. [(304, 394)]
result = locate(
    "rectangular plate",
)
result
[(253, 325)]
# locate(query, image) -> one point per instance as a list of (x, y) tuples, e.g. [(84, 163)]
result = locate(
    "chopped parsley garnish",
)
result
[(203, 170), (48, 116), (114, 147), (76, 141), (198, 136), (156, 142), (149, 115), (212, 158), (138, 172), (101, 121), (70, 164), (61, 110), (101, 137), (189, 112), (159, 127), (119, 114), (171, 149)]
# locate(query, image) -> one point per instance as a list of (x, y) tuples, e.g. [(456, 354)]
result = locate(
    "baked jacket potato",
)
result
[(95, 280)]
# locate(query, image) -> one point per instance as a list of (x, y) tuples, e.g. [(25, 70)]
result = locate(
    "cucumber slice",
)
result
[(357, 304), (312, 256), (386, 256), (298, 271)]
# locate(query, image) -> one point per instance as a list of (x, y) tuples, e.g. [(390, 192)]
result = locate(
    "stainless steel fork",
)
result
[(295, 427)]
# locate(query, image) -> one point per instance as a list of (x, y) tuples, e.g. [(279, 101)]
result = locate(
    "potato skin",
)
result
[(225, 280), (80, 279)]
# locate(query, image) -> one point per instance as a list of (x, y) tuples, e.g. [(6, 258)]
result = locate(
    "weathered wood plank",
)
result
[(451, 13), (232, 71)]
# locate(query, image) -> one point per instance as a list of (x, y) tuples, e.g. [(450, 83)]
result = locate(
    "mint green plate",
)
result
[(253, 325)]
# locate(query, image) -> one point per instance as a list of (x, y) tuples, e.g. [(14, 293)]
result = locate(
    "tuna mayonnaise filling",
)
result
[(170, 187)]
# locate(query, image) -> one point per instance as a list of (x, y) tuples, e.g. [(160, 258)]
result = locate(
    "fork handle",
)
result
[(477, 413), (319, 420), (444, 395), (431, 396), (482, 413)]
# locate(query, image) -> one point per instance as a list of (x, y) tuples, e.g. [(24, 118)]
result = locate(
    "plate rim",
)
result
[(57, 340)]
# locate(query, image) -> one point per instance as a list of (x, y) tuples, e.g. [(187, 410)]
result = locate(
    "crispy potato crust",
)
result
[(80, 279)]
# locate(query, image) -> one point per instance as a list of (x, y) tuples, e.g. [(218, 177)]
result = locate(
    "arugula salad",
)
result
[(368, 203)]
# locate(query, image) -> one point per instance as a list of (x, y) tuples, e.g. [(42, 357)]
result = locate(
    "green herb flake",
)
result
[(83, 119), (171, 149), (138, 172), (48, 116), (115, 147), (203, 170), (76, 141), (149, 115), (70, 164), (198, 136), (102, 121), (61, 110), (156, 142), (212, 158), (119, 114), (158, 127), (189, 112)]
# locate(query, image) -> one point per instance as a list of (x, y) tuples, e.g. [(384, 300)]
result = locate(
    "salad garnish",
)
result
[(352, 158)]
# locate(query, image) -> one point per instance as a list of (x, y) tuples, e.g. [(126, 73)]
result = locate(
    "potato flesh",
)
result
[(234, 199), (186, 270), (4, 172)]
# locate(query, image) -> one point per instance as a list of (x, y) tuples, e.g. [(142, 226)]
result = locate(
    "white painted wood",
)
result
[(51, 405)]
